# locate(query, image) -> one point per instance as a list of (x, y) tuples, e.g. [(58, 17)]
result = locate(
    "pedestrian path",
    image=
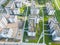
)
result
[(32, 44)]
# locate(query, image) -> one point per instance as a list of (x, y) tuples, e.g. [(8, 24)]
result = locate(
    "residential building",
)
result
[(13, 8), (18, 3), (9, 27), (2, 1), (31, 27), (34, 11), (33, 19), (3, 22), (1, 9), (54, 29), (49, 9), (52, 21), (6, 33)]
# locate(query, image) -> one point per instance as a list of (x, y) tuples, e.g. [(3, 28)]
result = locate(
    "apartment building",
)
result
[(2, 1), (33, 19), (13, 7), (54, 29), (9, 22), (49, 9)]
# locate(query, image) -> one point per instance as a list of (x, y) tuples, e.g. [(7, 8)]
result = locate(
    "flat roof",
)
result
[(31, 25)]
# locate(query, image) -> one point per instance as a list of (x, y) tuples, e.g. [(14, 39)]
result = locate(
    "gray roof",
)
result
[(33, 16), (2, 1), (10, 3), (57, 29), (34, 10), (49, 6), (31, 25), (56, 26)]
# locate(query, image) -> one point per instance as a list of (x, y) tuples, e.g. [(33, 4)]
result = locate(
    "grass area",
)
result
[(58, 1), (28, 11), (26, 25), (57, 14), (5, 3), (40, 26), (23, 10), (53, 43), (25, 33), (54, 5), (40, 12), (25, 36), (41, 1), (48, 38)]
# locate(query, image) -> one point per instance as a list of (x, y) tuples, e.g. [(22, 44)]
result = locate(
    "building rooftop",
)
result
[(33, 16), (10, 3), (2, 1), (49, 6), (57, 29), (31, 25), (54, 25), (34, 10), (6, 32)]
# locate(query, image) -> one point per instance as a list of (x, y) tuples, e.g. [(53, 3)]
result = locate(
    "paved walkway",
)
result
[(32, 44), (21, 44)]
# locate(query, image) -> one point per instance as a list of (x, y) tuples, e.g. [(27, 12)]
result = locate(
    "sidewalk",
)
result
[(32, 44)]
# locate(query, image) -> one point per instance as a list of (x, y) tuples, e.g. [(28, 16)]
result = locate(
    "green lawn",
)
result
[(23, 10), (41, 1), (57, 14), (54, 5), (40, 31), (40, 12), (58, 1), (25, 33), (26, 25)]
